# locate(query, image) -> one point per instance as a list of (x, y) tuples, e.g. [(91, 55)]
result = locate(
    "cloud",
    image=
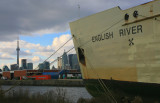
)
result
[(35, 52), (7, 64), (38, 17), (35, 47), (10, 48), (46, 51), (58, 42), (6, 56), (36, 59), (25, 53), (25, 48)]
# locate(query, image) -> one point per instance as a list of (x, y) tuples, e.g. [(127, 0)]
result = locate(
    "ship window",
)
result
[(81, 56)]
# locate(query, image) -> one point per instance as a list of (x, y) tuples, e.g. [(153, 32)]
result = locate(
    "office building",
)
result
[(24, 63), (21, 68), (59, 63), (70, 60), (14, 67), (46, 65), (64, 60), (53, 68), (73, 61), (30, 66), (41, 66)]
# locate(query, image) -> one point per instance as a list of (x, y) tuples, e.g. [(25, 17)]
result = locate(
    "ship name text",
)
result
[(122, 32), (130, 30), (104, 36)]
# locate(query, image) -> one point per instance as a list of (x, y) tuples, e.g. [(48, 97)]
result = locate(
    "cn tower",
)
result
[(18, 49)]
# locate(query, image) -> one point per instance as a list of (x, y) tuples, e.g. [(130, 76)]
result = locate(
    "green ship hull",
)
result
[(148, 92)]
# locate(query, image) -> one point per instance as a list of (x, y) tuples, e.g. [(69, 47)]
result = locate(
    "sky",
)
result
[(43, 26)]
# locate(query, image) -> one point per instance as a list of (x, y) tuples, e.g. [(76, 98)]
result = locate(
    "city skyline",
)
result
[(66, 61), (43, 31)]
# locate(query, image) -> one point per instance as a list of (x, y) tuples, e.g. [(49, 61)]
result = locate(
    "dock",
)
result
[(52, 82)]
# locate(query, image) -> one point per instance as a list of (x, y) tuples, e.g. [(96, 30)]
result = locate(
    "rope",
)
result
[(58, 49), (100, 80), (55, 51), (103, 31), (146, 16), (13, 86), (61, 56)]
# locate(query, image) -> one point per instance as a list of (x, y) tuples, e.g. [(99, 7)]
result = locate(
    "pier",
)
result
[(52, 82)]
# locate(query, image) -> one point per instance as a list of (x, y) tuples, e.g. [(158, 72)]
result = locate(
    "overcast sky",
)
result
[(42, 19)]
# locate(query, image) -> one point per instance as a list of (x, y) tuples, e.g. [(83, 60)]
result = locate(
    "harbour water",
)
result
[(72, 93)]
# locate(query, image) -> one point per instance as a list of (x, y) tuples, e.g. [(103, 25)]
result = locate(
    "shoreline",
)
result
[(53, 82)]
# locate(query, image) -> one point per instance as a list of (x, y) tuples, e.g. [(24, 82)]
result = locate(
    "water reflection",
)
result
[(72, 93)]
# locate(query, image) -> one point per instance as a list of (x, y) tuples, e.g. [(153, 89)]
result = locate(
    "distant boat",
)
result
[(119, 52)]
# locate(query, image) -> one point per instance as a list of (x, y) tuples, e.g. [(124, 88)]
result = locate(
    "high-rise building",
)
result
[(46, 65), (73, 61), (30, 66), (14, 67), (64, 60), (70, 60), (59, 62), (5, 68), (53, 67), (41, 66), (24, 63), (21, 68)]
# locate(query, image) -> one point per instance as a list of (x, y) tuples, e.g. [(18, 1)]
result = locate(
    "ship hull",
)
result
[(118, 90), (120, 53)]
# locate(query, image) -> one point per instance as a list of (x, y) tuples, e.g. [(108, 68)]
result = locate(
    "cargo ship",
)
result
[(119, 52)]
